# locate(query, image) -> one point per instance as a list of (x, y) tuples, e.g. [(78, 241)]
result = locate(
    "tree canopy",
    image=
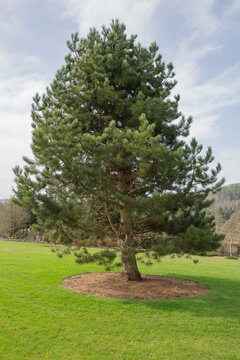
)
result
[(110, 157)]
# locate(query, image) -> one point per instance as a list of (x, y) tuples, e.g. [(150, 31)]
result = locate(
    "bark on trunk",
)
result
[(230, 250), (129, 264)]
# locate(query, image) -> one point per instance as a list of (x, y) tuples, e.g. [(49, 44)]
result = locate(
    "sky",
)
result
[(200, 37)]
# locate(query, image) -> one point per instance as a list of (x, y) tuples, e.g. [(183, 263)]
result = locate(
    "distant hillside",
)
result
[(226, 209)]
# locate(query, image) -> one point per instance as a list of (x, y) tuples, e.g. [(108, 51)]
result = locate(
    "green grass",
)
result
[(39, 319)]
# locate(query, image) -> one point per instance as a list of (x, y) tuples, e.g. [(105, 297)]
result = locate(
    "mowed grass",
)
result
[(39, 319)]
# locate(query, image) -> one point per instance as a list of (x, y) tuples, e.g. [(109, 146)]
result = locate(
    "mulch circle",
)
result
[(153, 287)]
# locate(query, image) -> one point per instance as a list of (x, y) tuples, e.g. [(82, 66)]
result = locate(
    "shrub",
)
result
[(213, 253)]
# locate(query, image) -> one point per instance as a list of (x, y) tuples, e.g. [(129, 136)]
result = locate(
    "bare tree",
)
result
[(12, 218)]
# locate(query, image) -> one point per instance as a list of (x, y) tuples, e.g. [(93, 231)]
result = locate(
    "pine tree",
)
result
[(110, 157)]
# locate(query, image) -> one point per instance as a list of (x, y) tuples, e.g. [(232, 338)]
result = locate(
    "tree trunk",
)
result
[(230, 249), (129, 264)]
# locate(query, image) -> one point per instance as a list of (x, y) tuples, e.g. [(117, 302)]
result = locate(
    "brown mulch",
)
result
[(153, 287)]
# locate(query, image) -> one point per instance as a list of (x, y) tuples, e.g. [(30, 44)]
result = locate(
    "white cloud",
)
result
[(205, 126), (11, 25), (200, 16), (136, 14), (10, 21), (21, 63), (187, 59), (233, 8), (203, 97), (230, 164), (12, 4), (204, 100), (16, 91)]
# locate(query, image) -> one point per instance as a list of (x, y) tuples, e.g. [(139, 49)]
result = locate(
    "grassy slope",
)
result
[(41, 320)]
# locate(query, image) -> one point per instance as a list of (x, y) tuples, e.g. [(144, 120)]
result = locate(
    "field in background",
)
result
[(39, 319)]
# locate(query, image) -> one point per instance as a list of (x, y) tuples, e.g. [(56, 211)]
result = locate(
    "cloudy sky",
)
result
[(200, 37)]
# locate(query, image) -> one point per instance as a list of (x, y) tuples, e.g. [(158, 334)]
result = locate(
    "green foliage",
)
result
[(226, 212), (105, 257), (232, 257), (213, 253), (198, 240), (109, 156), (231, 192)]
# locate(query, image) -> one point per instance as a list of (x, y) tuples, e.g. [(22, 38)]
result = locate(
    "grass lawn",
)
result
[(39, 319)]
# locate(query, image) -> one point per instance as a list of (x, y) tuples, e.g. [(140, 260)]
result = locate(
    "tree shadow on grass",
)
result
[(222, 300)]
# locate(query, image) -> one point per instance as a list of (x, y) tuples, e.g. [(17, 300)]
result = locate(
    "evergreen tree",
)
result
[(110, 157)]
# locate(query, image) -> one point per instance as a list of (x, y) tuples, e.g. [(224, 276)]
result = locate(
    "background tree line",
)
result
[(13, 219)]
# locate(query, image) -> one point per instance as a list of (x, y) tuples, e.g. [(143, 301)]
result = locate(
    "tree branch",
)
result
[(142, 221), (110, 220)]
